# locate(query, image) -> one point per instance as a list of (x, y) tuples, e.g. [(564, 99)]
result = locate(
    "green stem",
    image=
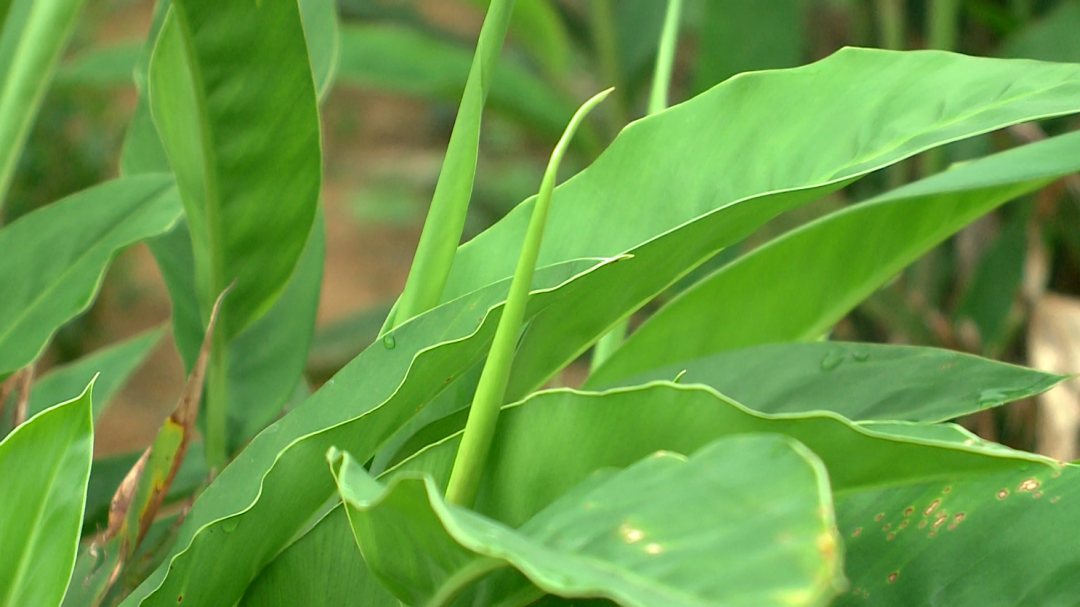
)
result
[(450, 202), (491, 390), (217, 377), (890, 21), (943, 24), (34, 37), (665, 58), (658, 101), (606, 44)]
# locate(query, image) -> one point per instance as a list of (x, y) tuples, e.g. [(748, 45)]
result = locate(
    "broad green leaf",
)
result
[(278, 474), (668, 530), (107, 66), (852, 251), (538, 27), (310, 572), (52, 260), (232, 152), (1050, 38), (859, 381), (729, 175), (736, 36), (112, 365), (585, 431), (44, 464), (406, 61), (32, 39), (267, 360), (997, 540)]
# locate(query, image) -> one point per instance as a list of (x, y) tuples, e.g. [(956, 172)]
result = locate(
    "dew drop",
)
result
[(832, 360), (861, 356), (230, 525), (989, 398), (389, 342), (893, 576)]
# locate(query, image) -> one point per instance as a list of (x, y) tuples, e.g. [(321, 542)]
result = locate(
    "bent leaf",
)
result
[(44, 464), (853, 251), (585, 431), (112, 365), (668, 530), (859, 381), (52, 260)]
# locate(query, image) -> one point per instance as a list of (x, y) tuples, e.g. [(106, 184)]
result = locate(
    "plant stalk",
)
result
[(450, 202), (658, 101), (943, 25), (41, 30), (491, 390), (606, 43), (217, 383)]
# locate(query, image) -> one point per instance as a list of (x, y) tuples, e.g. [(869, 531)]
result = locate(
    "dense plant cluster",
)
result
[(724, 452)]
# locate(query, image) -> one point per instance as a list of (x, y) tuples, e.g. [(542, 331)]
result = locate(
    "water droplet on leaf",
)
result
[(389, 342), (832, 360)]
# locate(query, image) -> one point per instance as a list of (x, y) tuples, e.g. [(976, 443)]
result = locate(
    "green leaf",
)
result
[(996, 540), (859, 381), (278, 474), (106, 66), (44, 464), (1050, 38), (853, 251), (32, 38), (309, 573), (232, 151), (267, 360), (736, 36), (115, 364), (668, 530), (538, 28), (989, 302), (321, 32), (276, 478), (52, 260), (586, 431)]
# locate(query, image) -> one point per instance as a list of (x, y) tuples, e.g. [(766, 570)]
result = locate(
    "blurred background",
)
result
[(1007, 287)]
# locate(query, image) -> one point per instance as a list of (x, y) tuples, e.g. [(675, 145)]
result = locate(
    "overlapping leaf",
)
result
[(668, 530), (852, 251), (668, 168)]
